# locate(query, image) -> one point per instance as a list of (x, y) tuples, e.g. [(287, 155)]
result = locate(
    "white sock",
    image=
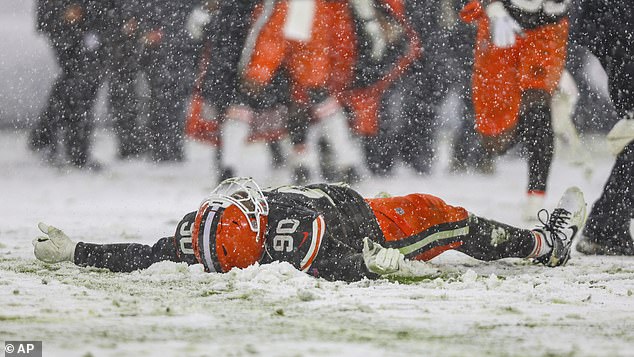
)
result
[(234, 137), (543, 245), (333, 124), (299, 156)]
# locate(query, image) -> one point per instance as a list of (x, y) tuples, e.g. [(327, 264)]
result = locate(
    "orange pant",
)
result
[(502, 74), (310, 63), (420, 226)]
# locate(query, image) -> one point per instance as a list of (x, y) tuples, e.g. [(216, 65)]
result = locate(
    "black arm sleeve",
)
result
[(126, 257)]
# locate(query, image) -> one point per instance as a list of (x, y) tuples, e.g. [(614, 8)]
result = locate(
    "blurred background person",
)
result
[(519, 59), (455, 64), (167, 58), (410, 110), (220, 113), (607, 29), (122, 63), (75, 30), (298, 37)]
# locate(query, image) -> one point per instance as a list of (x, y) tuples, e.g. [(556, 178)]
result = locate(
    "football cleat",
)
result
[(561, 226)]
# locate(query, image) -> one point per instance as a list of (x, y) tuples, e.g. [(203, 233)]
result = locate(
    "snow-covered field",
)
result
[(462, 308)]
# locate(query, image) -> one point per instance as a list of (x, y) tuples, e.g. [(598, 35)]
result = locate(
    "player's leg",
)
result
[(423, 226), (491, 240), (124, 106), (620, 69), (311, 66), (536, 134), (265, 46), (84, 82), (542, 59), (45, 135), (262, 55), (496, 93), (297, 126), (608, 228), (549, 244), (234, 130), (336, 135)]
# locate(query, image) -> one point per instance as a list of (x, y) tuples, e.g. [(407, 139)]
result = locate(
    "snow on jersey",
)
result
[(317, 228)]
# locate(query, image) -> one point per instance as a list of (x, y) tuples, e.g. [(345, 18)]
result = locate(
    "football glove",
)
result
[(504, 28), (365, 10), (196, 22), (382, 260), (54, 247)]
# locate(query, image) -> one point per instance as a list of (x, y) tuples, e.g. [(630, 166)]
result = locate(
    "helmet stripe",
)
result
[(209, 256), (206, 240)]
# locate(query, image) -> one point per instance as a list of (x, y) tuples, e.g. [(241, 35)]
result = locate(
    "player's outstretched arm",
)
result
[(55, 247)]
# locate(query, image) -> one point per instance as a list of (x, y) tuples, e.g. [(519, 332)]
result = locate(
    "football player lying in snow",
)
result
[(328, 231)]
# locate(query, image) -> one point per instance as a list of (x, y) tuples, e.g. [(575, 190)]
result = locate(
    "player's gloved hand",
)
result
[(504, 28), (375, 34), (196, 22), (380, 260), (55, 246)]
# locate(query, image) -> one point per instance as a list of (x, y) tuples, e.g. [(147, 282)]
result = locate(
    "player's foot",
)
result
[(328, 171), (87, 165), (589, 246), (560, 227), (534, 202), (327, 165), (422, 167), (277, 155), (226, 173), (166, 156), (457, 166), (486, 165), (301, 175), (39, 140), (129, 151), (350, 175)]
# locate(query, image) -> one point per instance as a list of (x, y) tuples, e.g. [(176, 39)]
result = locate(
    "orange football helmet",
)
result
[(229, 228)]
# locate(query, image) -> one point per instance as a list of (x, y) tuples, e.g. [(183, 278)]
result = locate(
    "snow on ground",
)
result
[(461, 307)]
